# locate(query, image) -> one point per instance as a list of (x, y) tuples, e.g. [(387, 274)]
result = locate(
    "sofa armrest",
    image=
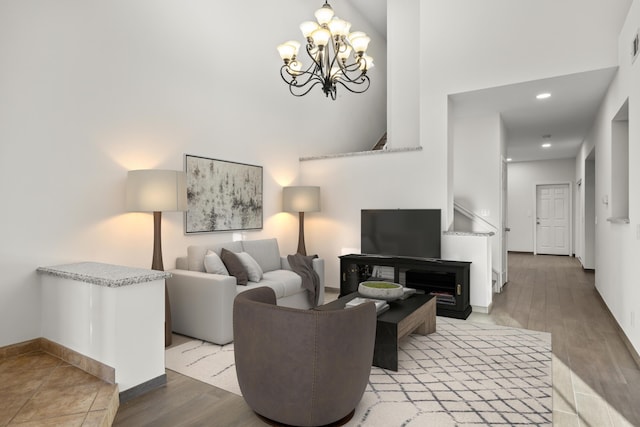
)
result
[(318, 267), (182, 263), (202, 305)]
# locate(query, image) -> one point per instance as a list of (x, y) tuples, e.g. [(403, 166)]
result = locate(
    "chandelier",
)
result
[(337, 56)]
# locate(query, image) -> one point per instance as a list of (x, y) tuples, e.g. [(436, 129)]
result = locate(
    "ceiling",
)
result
[(566, 116)]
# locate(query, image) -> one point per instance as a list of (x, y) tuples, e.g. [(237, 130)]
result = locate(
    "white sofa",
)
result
[(202, 303)]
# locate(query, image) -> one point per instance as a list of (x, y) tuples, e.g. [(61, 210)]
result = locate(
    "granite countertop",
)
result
[(363, 153), (618, 220), (109, 275), (468, 233)]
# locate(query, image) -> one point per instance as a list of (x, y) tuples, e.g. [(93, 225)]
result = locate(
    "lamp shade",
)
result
[(301, 199), (154, 190)]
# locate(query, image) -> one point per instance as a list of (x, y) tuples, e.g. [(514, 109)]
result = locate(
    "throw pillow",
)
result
[(213, 264), (235, 267), (254, 271)]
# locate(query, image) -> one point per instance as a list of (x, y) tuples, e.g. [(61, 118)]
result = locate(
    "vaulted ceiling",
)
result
[(566, 116)]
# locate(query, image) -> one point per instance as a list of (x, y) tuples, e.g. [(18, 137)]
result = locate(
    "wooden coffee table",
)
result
[(414, 314)]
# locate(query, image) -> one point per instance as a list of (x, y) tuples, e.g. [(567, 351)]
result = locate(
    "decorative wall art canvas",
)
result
[(222, 196)]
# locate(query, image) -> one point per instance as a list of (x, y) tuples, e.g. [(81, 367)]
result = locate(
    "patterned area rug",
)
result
[(465, 373)]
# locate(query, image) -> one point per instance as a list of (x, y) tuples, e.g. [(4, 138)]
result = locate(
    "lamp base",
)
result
[(157, 264), (301, 249)]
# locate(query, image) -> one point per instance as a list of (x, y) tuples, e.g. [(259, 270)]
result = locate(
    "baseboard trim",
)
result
[(145, 387), (483, 310), (97, 369), (625, 339)]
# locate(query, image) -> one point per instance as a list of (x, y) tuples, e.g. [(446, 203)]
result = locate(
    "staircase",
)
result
[(381, 144), (465, 220)]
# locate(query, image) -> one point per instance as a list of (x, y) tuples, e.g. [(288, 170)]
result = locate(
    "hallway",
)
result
[(596, 382)]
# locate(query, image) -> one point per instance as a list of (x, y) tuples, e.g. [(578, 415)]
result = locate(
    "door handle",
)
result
[(507, 229)]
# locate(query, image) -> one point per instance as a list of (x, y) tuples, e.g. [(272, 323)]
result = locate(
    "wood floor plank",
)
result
[(186, 402)]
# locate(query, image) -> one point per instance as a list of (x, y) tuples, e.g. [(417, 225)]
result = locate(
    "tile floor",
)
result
[(37, 389)]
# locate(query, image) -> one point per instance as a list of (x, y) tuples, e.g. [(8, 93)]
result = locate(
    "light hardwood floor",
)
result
[(596, 381)]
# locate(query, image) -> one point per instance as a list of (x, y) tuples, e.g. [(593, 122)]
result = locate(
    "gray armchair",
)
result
[(301, 367)]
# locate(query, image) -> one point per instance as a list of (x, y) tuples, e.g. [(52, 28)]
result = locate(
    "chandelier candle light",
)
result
[(330, 46)]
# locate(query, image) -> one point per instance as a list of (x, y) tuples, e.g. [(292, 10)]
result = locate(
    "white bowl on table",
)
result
[(381, 290)]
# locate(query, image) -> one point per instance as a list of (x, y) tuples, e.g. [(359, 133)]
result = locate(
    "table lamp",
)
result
[(157, 191), (301, 199)]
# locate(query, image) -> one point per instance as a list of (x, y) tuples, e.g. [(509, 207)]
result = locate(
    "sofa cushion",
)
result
[(196, 253), (213, 264), (235, 267), (265, 252), (290, 281), (251, 266), (277, 286)]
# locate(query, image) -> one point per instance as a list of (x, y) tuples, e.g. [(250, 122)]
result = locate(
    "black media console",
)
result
[(447, 280)]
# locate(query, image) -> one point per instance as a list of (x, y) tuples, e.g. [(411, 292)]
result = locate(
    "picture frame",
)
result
[(222, 195)]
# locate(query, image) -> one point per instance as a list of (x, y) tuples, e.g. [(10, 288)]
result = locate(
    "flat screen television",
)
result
[(401, 232)]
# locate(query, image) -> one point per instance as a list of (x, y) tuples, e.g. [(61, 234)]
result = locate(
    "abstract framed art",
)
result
[(222, 195)]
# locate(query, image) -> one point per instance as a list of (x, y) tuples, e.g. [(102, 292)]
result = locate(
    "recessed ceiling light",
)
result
[(544, 95), (509, 159), (546, 145)]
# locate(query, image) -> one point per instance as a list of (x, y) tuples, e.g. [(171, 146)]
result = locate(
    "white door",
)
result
[(552, 219)]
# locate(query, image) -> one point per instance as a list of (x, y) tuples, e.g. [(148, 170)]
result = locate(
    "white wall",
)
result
[(403, 96), (478, 144), (349, 184), (93, 89), (476, 167), (463, 45), (617, 246), (477, 250), (523, 178), (468, 45)]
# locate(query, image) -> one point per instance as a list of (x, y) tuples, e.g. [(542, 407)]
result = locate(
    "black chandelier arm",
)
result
[(354, 66), (300, 78), (358, 79), (335, 58), (316, 62), (293, 87), (309, 81), (364, 80)]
